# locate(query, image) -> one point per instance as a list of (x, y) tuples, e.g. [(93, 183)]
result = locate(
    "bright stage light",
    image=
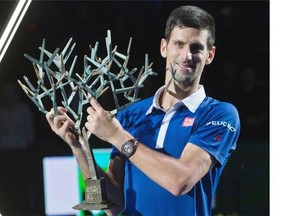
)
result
[(13, 25)]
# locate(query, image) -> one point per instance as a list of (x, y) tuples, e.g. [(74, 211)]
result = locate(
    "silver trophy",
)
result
[(56, 83)]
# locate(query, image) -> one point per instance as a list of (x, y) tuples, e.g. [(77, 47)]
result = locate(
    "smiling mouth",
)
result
[(182, 68), (186, 66)]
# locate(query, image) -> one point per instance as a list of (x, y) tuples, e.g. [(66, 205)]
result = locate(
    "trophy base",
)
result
[(95, 206), (95, 196)]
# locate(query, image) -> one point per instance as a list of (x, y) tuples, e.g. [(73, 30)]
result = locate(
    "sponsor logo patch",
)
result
[(218, 138), (222, 123), (188, 122)]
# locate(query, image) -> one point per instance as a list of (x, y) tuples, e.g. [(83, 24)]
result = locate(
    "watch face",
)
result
[(127, 148)]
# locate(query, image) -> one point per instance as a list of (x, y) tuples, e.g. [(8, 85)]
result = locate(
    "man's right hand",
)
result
[(61, 124)]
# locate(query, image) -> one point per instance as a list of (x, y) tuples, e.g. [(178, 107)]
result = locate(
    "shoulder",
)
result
[(214, 105), (212, 109), (144, 103), (138, 107)]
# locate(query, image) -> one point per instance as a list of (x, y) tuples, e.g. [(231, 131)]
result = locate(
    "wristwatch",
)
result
[(128, 147)]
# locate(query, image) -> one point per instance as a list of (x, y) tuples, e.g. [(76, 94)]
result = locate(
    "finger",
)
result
[(60, 119), (65, 127), (62, 110), (95, 103), (50, 115), (88, 126), (89, 118), (90, 111)]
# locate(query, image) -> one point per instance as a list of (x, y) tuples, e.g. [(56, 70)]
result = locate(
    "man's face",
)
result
[(186, 55)]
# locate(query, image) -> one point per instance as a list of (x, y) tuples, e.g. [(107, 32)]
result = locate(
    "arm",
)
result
[(114, 178), (178, 176)]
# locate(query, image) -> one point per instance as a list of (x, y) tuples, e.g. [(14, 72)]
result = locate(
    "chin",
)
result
[(180, 81)]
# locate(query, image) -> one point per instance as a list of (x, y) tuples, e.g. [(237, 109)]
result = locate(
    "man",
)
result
[(170, 150)]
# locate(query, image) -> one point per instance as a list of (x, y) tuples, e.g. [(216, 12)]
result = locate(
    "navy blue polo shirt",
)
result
[(203, 121)]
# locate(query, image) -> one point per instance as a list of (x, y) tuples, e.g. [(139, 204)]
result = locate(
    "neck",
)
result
[(174, 93)]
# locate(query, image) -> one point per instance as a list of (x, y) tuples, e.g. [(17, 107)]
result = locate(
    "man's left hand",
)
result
[(102, 123)]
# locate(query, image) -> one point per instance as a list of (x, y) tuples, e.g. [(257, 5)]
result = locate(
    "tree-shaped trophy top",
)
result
[(55, 82)]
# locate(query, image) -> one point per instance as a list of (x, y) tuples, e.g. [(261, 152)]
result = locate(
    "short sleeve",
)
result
[(217, 131)]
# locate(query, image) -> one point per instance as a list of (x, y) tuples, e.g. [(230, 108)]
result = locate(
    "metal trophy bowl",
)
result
[(56, 84)]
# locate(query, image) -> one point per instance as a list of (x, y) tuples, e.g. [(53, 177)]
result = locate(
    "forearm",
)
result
[(114, 185), (165, 170), (159, 167), (178, 176), (81, 158)]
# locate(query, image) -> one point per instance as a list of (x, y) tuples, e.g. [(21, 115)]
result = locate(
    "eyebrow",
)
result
[(194, 45), (197, 46)]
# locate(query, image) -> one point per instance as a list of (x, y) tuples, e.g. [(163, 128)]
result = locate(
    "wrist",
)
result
[(129, 147), (119, 138), (75, 146), (76, 150)]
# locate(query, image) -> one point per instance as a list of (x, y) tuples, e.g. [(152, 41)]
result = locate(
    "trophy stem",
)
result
[(89, 155), (95, 189)]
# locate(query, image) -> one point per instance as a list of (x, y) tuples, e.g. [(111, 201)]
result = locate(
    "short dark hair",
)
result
[(191, 16)]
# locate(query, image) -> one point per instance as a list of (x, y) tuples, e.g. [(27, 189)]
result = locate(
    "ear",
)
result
[(163, 48), (211, 55)]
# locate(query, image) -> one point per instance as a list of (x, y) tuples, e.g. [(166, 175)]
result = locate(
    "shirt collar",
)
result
[(192, 102)]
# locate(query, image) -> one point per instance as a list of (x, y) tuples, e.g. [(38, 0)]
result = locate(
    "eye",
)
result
[(178, 44), (196, 48)]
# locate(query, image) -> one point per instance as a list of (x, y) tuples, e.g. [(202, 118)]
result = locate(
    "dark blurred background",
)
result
[(239, 74)]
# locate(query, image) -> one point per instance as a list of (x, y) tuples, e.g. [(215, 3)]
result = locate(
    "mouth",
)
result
[(185, 67)]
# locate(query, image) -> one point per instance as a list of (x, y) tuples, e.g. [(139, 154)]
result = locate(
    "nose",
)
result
[(186, 53)]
